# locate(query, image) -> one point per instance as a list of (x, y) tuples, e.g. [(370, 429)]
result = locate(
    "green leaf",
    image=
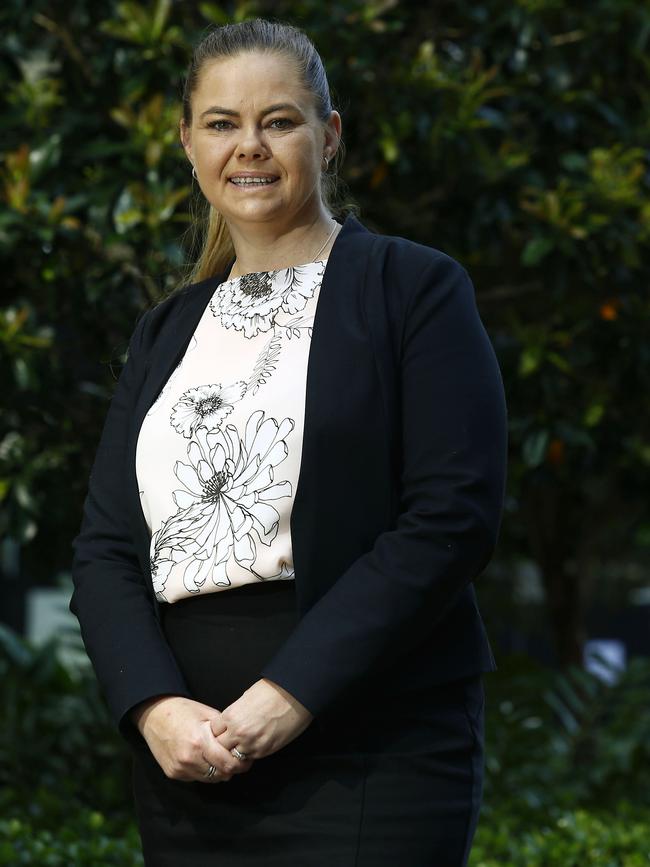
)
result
[(594, 414), (530, 360), (535, 250), (534, 448)]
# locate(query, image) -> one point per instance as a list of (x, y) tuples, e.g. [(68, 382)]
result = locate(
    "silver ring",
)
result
[(211, 770), (237, 754)]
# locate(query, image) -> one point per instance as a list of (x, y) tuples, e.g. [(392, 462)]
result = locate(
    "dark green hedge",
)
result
[(568, 770), (574, 838), (82, 838)]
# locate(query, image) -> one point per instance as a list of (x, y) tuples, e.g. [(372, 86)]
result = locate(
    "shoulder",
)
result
[(163, 314), (403, 261), (414, 277)]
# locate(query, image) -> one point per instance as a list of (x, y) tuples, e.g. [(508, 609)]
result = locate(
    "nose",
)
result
[(252, 144)]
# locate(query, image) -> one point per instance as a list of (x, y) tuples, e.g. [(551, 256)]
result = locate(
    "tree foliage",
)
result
[(511, 135)]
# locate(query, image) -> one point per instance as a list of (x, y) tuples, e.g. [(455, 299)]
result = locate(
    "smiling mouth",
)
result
[(246, 185)]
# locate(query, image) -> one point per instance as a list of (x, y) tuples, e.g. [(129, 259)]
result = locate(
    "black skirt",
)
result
[(381, 781)]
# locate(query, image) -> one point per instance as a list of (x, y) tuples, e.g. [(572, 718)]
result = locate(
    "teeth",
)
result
[(252, 180)]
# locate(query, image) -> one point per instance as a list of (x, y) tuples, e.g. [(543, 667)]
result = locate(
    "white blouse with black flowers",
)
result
[(218, 453)]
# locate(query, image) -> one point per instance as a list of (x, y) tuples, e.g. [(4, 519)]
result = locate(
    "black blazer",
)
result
[(398, 502)]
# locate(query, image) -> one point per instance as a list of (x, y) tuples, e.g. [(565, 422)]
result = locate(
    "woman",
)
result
[(301, 473)]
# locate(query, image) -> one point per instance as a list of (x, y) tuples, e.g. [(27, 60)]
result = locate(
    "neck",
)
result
[(268, 247)]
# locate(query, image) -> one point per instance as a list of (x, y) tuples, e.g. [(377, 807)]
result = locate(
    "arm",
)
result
[(122, 636), (453, 458)]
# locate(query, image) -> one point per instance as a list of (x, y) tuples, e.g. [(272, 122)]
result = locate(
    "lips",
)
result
[(253, 178), (253, 185)]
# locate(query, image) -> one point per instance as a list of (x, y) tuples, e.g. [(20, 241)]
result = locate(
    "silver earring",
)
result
[(194, 173), (327, 162)]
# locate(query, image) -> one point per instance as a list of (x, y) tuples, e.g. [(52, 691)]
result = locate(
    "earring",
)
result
[(327, 161), (194, 173)]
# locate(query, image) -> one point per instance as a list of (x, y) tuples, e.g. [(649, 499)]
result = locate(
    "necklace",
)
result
[(230, 277), (326, 242)]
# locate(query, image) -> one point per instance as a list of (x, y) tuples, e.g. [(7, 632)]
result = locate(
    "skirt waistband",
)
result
[(250, 600)]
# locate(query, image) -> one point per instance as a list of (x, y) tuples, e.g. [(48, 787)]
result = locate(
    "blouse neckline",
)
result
[(276, 270)]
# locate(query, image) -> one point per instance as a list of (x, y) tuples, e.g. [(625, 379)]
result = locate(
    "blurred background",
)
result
[(514, 136)]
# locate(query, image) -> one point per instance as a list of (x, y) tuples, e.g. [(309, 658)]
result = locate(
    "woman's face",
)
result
[(251, 114)]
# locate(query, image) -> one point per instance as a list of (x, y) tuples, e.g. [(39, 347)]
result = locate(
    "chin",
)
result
[(266, 212)]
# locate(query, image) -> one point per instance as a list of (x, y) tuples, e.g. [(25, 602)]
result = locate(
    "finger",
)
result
[(229, 743), (217, 723), (229, 763), (216, 776), (212, 715), (205, 769), (216, 754), (212, 775), (230, 739)]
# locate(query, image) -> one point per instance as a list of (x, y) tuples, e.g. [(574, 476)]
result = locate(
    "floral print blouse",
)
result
[(218, 453)]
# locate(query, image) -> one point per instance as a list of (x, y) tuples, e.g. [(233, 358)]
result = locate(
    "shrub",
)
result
[(574, 838)]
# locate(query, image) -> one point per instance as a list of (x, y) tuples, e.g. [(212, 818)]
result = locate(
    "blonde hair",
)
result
[(211, 246)]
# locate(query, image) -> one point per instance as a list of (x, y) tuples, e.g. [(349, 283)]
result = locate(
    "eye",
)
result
[(214, 124), (282, 120)]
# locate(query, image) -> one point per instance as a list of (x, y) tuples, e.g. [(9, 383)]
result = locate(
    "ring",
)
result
[(237, 754), (210, 771)]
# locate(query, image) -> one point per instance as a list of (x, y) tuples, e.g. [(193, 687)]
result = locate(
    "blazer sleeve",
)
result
[(453, 471), (119, 628)]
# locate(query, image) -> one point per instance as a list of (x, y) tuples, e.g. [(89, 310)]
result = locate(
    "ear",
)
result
[(333, 133), (186, 140)]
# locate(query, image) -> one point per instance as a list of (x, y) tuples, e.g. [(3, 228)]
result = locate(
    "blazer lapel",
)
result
[(344, 265)]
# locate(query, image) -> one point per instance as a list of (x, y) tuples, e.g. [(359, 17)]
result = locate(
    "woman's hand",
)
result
[(180, 733), (264, 719)]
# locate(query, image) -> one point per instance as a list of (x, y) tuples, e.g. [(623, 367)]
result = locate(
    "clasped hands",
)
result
[(187, 736)]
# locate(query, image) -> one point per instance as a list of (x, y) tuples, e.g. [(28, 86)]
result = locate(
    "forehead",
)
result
[(250, 80)]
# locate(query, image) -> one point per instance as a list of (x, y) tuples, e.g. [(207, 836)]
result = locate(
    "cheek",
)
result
[(215, 156), (305, 166), (209, 151)]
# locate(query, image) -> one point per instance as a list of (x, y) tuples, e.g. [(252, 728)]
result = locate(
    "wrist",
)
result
[(140, 713), (289, 698)]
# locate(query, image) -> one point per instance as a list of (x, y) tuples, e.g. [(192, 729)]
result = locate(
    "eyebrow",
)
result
[(278, 106)]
